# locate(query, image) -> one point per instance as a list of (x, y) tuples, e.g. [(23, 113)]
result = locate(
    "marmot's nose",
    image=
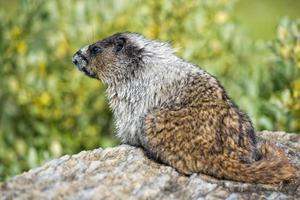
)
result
[(74, 58), (75, 61), (79, 60), (77, 57)]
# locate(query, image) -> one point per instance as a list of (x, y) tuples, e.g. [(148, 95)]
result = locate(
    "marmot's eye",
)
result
[(96, 50), (120, 44)]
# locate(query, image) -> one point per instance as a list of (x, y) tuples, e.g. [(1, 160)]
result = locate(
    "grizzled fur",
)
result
[(177, 112)]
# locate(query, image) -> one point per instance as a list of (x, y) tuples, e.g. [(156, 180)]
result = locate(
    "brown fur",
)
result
[(207, 134)]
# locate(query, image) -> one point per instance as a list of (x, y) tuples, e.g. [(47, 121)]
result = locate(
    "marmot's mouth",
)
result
[(90, 74)]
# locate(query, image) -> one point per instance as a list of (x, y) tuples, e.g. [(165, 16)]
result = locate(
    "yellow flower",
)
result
[(282, 33), (298, 64), (295, 94), (297, 48), (21, 47), (296, 106), (20, 146), (285, 52), (44, 99), (13, 85), (153, 31), (55, 148), (215, 46), (62, 48), (221, 17), (42, 68), (296, 88)]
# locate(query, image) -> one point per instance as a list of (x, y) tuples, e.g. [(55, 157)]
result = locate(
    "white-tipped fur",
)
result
[(152, 47), (131, 100), (84, 49)]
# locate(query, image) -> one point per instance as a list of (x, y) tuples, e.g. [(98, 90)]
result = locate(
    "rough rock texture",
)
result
[(124, 172)]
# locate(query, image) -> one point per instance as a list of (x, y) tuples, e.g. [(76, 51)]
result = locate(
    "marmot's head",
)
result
[(119, 57)]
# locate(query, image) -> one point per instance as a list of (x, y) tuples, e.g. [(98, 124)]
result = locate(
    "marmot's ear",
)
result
[(120, 43)]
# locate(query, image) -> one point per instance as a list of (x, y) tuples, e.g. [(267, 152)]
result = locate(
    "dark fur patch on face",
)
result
[(115, 57), (122, 44)]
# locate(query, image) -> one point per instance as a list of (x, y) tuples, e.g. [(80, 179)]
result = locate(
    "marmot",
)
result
[(179, 113)]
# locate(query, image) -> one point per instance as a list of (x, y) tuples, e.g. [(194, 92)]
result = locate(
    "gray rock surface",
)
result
[(124, 172)]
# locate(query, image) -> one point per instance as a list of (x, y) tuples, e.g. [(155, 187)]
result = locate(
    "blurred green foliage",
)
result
[(260, 18), (48, 108)]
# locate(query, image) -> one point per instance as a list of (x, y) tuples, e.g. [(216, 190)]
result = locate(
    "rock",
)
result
[(124, 172)]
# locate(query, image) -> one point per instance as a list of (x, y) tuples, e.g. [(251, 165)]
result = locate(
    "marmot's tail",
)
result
[(273, 167)]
